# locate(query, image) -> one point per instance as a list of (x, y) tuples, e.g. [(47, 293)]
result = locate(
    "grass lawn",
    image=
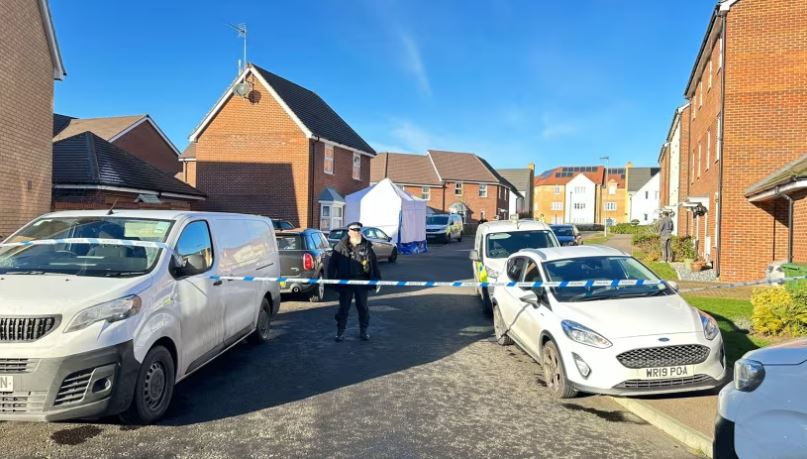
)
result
[(664, 270), (727, 312), (596, 240)]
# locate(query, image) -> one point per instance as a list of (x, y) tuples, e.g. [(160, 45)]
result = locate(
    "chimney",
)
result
[(531, 166)]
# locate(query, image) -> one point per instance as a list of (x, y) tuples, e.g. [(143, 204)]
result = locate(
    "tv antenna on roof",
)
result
[(242, 33)]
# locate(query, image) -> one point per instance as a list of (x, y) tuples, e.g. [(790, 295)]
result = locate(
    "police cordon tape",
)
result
[(392, 283)]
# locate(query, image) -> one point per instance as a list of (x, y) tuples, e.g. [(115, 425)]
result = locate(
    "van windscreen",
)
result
[(85, 258)]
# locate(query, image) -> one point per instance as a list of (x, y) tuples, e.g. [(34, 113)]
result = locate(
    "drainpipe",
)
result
[(312, 142), (789, 227), (719, 213)]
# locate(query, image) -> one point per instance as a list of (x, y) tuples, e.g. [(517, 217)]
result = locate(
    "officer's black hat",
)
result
[(354, 224)]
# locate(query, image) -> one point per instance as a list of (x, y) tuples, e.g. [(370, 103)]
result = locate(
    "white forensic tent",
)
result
[(386, 206)]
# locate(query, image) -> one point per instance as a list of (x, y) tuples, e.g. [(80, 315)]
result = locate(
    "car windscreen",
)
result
[(502, 245), (84, 258), (289, 242), (565, 231), (602, 268), (337, 235), (437, 220), (282, 225)]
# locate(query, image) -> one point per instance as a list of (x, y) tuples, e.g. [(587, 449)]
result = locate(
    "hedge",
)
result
[(628, 228), (650, 245), (780, 311)]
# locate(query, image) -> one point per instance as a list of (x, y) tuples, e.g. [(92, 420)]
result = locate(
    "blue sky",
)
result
[(549, 82)]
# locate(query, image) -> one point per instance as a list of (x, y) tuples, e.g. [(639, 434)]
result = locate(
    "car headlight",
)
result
[(110, 311), (584, 335), (710, 328), (748, 374)]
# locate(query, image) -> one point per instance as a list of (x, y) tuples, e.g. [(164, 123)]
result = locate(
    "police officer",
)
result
[(353, 258)]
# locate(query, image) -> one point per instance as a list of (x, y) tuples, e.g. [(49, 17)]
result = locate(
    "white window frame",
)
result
[(717, 141), (330, 222), (700, 93), (425, 193), (720, 53), (710, 73), (557, 189), (356, 166), (483, 190), (612, 188), (557, 205), (458, 189), (708, 147), (610, 206), (328, 160)]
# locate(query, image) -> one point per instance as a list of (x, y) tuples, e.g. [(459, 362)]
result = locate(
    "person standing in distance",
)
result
[(665, 236), (353, 258)]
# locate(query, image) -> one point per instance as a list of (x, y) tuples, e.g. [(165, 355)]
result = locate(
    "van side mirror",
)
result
[(188, 265), (474, 255)]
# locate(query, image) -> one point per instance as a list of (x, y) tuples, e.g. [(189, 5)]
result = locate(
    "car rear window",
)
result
[(289, 242), (336, 235)]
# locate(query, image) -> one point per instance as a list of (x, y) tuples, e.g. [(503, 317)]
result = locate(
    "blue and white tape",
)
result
[(91, 241)]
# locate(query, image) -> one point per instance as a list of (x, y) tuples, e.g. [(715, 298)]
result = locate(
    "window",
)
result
[(612, 188), (717, 144), (708, 148), (580, 205), (700, 154), (356, 166), (514, 269), (196, 247), (557, 189), (720, 53), (692, 167), (700, 93), (329, 159), (425, 193), (557, 205), (531, 273), (610, 205), (647, 195), (710, 73), (645, 217), (330, 216), (458, 189), (483, 190), (579, 189)]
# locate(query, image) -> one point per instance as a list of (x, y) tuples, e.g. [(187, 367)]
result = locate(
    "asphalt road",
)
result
[(431, 383)]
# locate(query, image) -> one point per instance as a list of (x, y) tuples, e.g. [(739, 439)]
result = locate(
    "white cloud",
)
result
[(553, 127), (413, 62)]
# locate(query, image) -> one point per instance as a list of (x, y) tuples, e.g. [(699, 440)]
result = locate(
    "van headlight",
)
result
[(584, 335), (710, 328), (111, 311), (748, 374)]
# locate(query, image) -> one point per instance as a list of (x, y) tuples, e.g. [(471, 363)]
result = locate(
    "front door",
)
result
[(200, 299)]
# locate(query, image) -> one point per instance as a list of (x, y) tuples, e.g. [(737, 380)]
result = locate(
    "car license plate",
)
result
[(6, 384), (680, 371)]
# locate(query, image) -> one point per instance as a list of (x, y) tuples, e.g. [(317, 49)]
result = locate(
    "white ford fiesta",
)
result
[(624, 340)]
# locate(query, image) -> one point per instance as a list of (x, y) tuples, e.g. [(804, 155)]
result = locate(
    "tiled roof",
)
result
[(105, 128), (87, 159), (617, 174), (189, 153), (639, 176), (330, 195), (518, 177), (314, 112), (793, 171), (404, 169), (462, 166), (562, 175)]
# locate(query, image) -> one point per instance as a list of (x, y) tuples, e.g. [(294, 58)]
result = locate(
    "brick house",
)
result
[(139, 135), (454, 182), (272, 147), (746, 92), (582, 194), (30, 63), (92, 173), (523, 179), (674, 160)]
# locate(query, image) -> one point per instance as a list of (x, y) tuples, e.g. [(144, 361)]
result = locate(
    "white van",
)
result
[(497, 240), (95, 328)]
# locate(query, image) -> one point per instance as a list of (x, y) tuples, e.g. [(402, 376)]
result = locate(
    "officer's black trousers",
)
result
[(346, 294)]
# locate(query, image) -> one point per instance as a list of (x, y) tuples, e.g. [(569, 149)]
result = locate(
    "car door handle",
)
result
[(217, 283)]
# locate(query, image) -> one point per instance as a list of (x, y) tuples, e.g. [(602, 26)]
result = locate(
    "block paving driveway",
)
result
[(431, 383)]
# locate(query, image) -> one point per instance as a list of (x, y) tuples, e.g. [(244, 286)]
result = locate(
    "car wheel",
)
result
[(487, 306), (500, 328), (393, 257), (459, 239), (263, 327), (555, 373), (319, 291), (153, 389)]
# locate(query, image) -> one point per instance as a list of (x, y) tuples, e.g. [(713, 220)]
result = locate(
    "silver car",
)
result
[(383, 246)]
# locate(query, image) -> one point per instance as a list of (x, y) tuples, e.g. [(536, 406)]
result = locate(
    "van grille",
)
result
[(73, 388), (26, 329), (651, 357), (18, 365)]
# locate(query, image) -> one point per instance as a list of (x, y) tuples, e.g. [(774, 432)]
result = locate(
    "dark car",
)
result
[(303, 253), (282, 224), (383, 246), (567, 234)]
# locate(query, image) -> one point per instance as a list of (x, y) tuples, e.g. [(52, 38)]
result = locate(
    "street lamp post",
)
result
[(604, 202)]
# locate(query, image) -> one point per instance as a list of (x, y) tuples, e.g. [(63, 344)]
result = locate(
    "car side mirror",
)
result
[(474, 255), (673, 285), (531, 298)]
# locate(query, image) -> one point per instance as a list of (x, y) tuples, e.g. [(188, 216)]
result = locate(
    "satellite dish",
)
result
[(243, 89)]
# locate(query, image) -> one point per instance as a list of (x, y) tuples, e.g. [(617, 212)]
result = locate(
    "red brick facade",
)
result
[(26, 114), (88, 200), (147, 144), (443, 197)]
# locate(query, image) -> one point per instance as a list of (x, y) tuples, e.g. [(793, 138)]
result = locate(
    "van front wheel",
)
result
[(153, 389), (262, 328)]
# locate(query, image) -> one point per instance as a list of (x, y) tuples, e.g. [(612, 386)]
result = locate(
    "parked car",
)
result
[(444, 227), (497, 240), (567, 234), (763, 413), (383, 246), (282, 224), (90, 329), (625, 340), (304, 253)]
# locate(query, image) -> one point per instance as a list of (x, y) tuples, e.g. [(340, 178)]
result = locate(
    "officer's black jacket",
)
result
[(359, 262)]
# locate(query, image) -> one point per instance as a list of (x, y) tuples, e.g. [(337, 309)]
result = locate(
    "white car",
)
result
[(626, 340), (497, 240), (91, 328), (763, 413)]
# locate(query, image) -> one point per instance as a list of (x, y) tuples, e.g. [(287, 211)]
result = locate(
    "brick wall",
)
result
[(435, 196), (475, 203), (800, 228), (620, 214), (26, 115), (682, 216), (544, 197), (188, 173), (765, 123), (342, 178), (147, 144), (90, 200), (253, 158)]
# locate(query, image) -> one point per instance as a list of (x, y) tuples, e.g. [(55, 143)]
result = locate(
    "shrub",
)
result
[(777, 312), (649, 244), (683, 248), (630, 228)]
